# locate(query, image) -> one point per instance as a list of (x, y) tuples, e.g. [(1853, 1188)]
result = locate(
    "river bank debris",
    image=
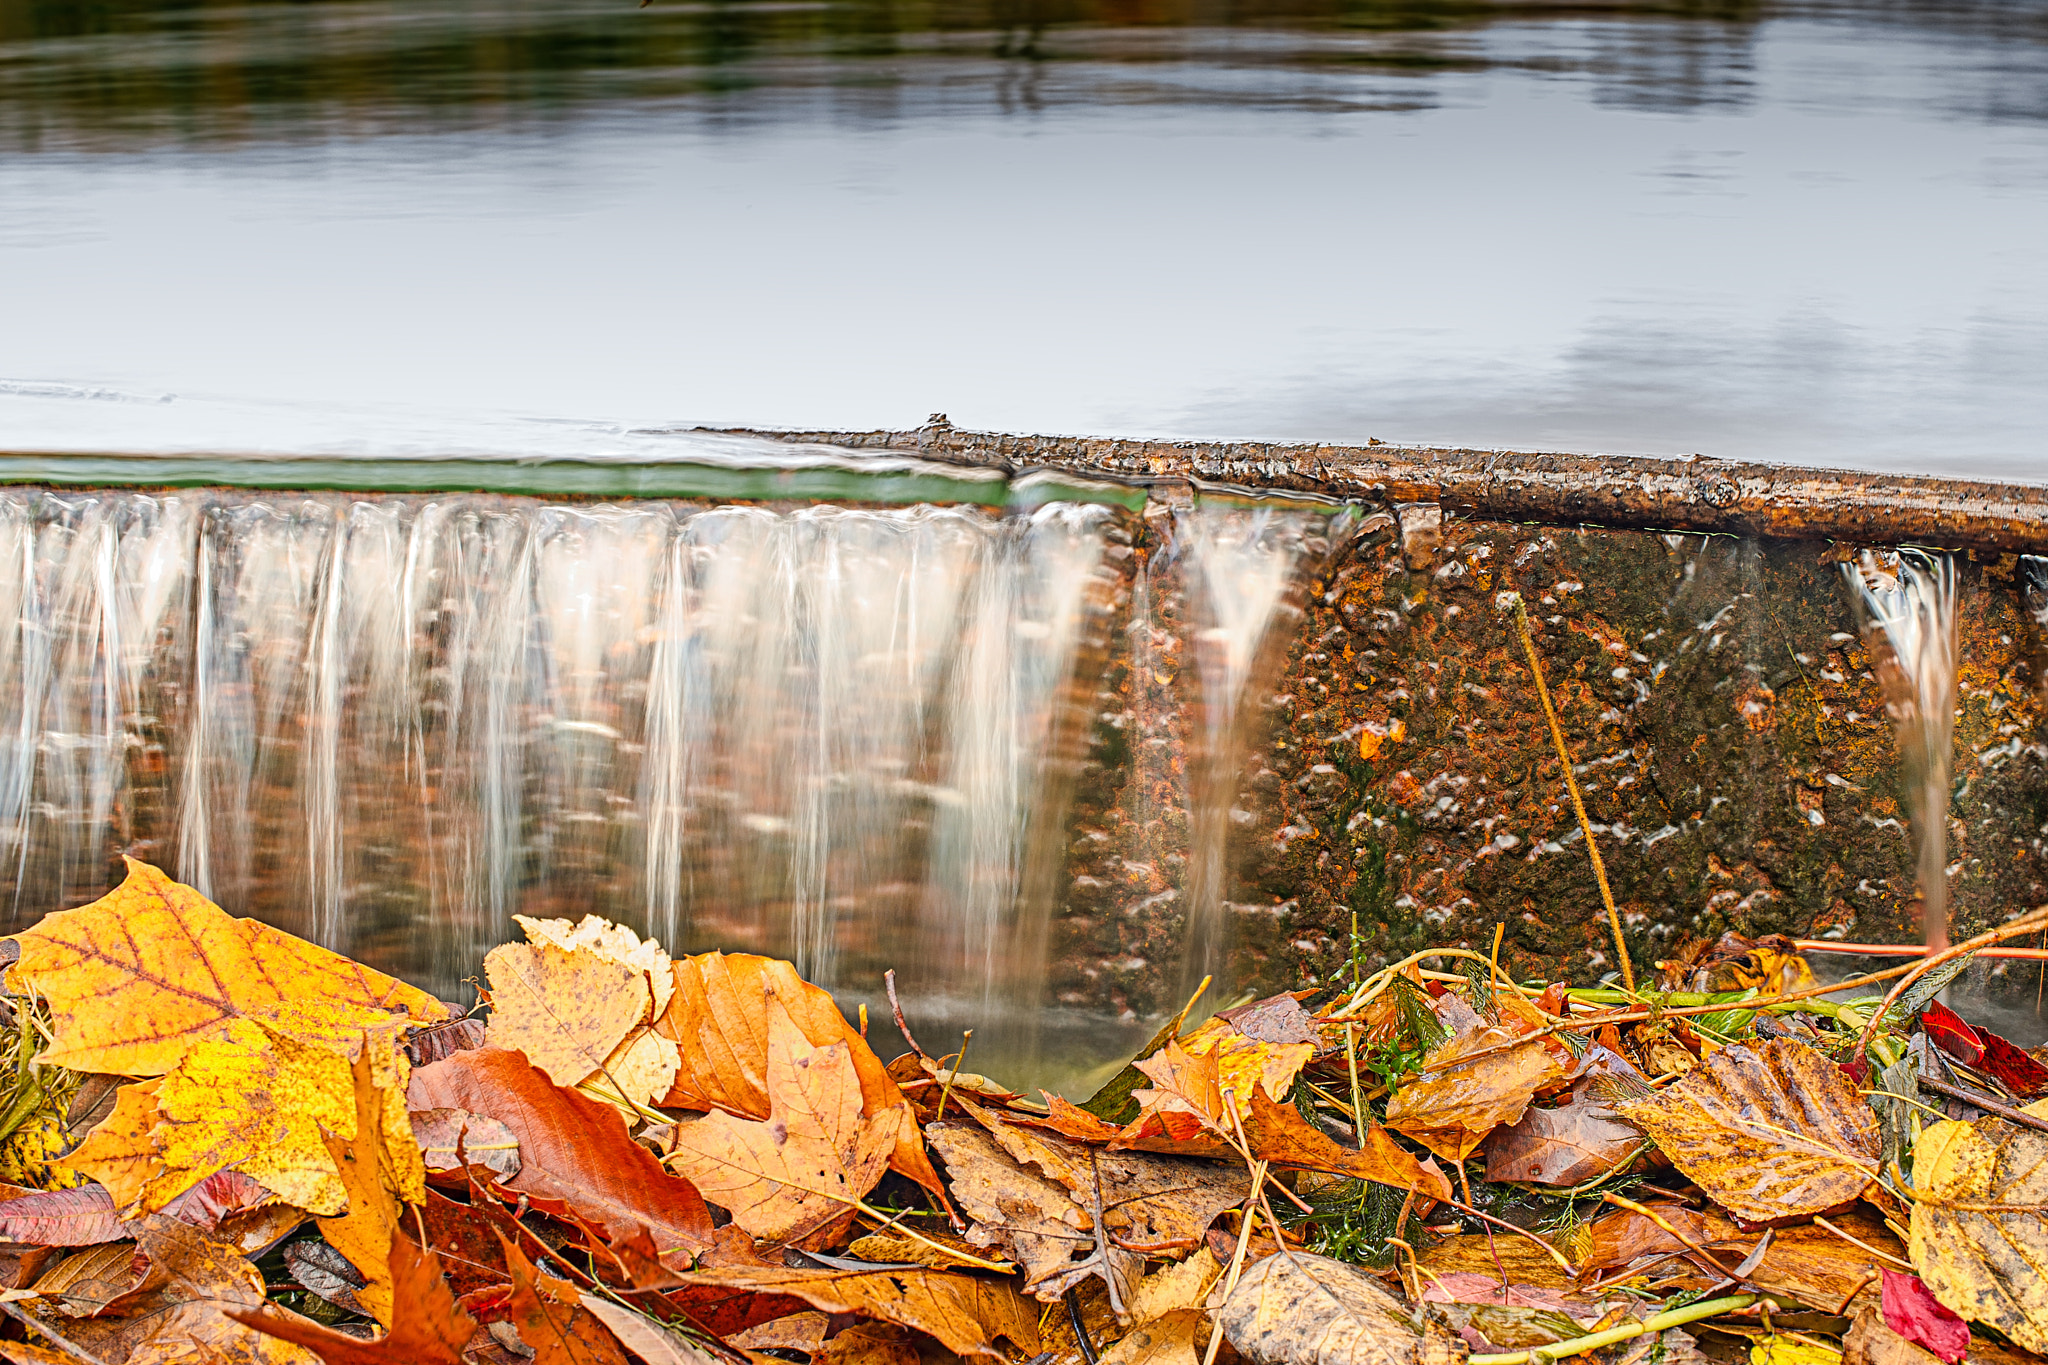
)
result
[(223, 1144)]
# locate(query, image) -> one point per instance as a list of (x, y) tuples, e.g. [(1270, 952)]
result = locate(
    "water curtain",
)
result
[(849, 735), (1907, 604)]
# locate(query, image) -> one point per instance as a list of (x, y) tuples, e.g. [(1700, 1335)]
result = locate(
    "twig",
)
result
[(1986, 1103), (1646, 1211), (1080, 1332), (42, 1328), (2025, 924), (959, 1060), (1357, 1094), (1861, 1285), (1829, 945), (1548, 1249), (1246, 1220), (896, 1008), (1571, 782), (1677, 1317), (1864, 1246)]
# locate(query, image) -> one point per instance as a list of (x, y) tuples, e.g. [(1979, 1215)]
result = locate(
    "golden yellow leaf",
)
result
[(1177, 1286), (1167, 1340), (259, 1102), (1985, 1265), (967, 1313), (1243, 1062), (640, 1070), (152, 969), (377, 1173), (565, 1010), (120, 1152), (612, 942), (798, 1171), (1777, 1350), (1770, 1132)]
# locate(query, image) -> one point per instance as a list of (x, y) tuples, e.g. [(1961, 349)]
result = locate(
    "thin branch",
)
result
[(1986, 1103), (896, 1008)]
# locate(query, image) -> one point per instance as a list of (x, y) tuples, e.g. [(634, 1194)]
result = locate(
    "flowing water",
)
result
[(1907, 602), (845, 734)]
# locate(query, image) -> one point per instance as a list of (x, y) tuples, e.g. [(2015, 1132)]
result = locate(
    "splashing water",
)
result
[(1907, 606)]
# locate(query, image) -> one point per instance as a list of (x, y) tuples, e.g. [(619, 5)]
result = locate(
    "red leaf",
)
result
[(2009, 1064), (1949, 1033), (1915, 1314), (574, 1151), (80, 1217)]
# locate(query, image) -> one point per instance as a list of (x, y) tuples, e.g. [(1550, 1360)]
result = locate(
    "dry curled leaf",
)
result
[(718, 1020), (799, 1171), (1771, 1132), (1480, 1079), (1985, 1264), (1024, 1214), (150, 970), (1299, 1309), (574, 1151), (966, 1313)]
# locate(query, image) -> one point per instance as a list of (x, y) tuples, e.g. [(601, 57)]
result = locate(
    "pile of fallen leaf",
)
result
[(224, 1144)]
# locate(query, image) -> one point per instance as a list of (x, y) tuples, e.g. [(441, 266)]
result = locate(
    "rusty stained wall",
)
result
[(1735, 754)]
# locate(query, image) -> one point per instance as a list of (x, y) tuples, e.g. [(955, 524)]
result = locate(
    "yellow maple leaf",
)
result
[(152, 969), (800, 1170), (1243, 1062), (261, 1102), (377, 1173), (566, 1009)]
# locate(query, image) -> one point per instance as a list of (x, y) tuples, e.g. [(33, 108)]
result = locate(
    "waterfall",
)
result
[(845, 734), (1907, 604)]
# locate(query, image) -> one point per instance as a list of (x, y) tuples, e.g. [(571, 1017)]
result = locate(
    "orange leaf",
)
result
[(573, 1150), (796, 1173), (549, 1316), (119, 1152), (1471, 1085), (142, 975), (1182, 1111), (375, 1183), (1284, 1138), (719, 1021), (429, 1329), (967, 1314)]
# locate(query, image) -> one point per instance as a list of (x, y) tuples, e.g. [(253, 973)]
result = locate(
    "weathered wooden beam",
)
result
[(1695, 494)]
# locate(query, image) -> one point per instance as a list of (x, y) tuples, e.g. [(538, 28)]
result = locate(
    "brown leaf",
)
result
[(1032, 1219), (1577, 1141), (718, 1019), (482, 1141), (890, 1248), (966, 1313), (428, 1045), (322, 1270), (566, 1011), (463, 1238), (87, 1282), (1480, 1079), (1871, 1342), (645, 1338), (1805, 1262), (139, 977), (1177, 1286), (872, 1343), (798, 1172), (428, 1328), (1280, 1135), (803, 1332), (1767, 1133), (1168, 1340), (1182, 1110), (196, 1282), (550, 1317), (1276, 1019), (1299, 1309), (1475, 1253), (574, 1150)]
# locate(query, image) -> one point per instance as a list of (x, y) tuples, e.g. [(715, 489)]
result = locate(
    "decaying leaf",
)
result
[(1178, 1286), (549, 1315), (612, 942), (803, 1332), (1771, 1132), (1482, 1078), (800, 1170), (481, 1141), (1872, 1342), (1026, 1215), (184, 1310), (718, 1020), (150, 970), (1267, 1059), (574, 1150), (1987, 1265), (79, 1217), (1806, 1262), (646, 1338), (966, 1313), (1299, 1309), (1174, 1339), (567, 1011), (428, 1328), (1580, 1140)]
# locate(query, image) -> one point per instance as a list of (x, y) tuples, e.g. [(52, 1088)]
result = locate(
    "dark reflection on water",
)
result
[(1812, 231), (118, 71)]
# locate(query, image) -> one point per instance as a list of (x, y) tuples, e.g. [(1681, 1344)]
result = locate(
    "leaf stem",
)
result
[(1677, 1317)]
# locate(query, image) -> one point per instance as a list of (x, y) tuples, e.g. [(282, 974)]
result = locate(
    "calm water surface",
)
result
[(1807, 232)]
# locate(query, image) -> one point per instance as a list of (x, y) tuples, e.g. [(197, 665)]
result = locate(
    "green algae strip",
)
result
[(891, 481)]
